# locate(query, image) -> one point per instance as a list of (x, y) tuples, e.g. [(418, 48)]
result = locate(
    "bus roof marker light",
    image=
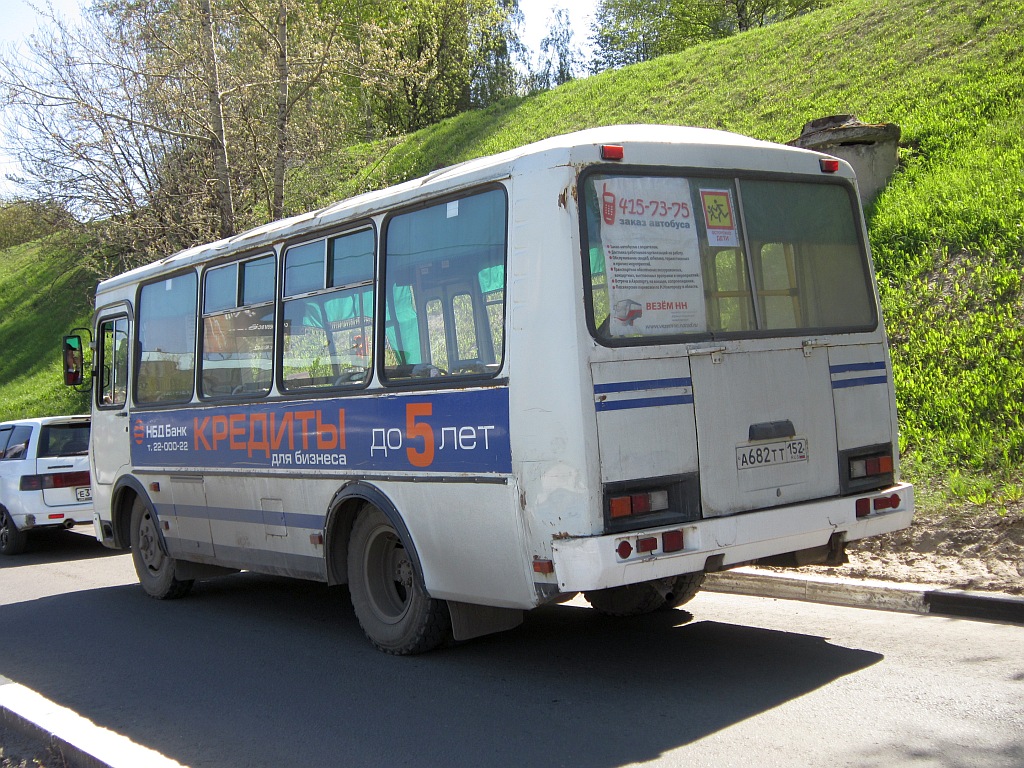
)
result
[(612, 152), (828, 164)]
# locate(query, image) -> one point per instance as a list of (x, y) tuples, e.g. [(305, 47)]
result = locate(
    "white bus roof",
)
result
[(465, 174)]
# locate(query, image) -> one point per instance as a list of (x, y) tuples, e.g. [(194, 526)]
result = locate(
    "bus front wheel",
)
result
[(154, 567), (394, 610)]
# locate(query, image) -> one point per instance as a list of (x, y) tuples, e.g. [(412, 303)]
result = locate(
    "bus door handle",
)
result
[(715, 352)]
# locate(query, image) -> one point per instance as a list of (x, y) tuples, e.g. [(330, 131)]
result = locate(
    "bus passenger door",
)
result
[(110, 454)]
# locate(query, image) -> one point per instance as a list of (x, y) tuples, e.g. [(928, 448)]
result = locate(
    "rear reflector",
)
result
[(624, 550), (672, 541), (887, 502), (863, 507), (543, 566), (56, 516), (646, 544)]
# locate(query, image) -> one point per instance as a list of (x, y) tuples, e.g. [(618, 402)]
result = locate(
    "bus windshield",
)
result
[(673, 256)]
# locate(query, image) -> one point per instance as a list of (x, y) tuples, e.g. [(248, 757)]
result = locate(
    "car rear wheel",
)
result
[(12, 540), (153, 565)]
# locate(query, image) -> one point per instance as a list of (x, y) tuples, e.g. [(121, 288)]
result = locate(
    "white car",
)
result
[(44, 477)]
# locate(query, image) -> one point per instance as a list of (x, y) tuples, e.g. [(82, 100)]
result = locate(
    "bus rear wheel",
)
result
[(154, 567), (394, 610), (647, 596)]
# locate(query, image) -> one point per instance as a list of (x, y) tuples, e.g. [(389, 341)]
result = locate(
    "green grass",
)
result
[(42, 297), (947, 234)]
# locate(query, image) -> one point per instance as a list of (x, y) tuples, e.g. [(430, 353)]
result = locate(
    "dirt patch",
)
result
[(981, 551)]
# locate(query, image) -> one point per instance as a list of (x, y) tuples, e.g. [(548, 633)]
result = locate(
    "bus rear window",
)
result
[(673, 256)]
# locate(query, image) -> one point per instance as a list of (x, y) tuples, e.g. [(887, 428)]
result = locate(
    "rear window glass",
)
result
[(64, 440), (675, 256)]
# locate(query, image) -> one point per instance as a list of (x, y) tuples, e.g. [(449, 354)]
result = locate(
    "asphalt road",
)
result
[(256, 671)]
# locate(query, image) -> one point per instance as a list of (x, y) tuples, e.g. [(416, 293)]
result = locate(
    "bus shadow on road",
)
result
[(255, 670)]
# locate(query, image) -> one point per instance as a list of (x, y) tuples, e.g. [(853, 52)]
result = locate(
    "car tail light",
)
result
[(56, 480), (66, 480), (31, 483)]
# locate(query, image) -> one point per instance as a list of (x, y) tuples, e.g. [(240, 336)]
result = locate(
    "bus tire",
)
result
[(155, 568), (13, 540), (394, 610), (683, 589)]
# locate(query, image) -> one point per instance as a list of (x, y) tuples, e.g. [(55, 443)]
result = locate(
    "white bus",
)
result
[(609, 362)]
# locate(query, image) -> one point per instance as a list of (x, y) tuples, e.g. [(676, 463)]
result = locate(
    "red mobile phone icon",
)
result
[(608, 205)]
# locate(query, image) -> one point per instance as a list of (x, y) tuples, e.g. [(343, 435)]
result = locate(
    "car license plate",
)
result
[(83, 494), (770, 454)]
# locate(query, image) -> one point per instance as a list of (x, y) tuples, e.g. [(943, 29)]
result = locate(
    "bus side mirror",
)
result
[(74, 361)]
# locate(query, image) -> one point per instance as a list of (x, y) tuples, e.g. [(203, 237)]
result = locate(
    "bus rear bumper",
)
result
[(599, 562)]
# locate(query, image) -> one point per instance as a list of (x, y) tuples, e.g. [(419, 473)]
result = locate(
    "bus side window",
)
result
[(445, 289), (238, 329), (328, 312), (167, 340)]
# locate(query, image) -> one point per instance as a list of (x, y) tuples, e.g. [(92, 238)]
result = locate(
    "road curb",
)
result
[(861, 593), (78, 742)]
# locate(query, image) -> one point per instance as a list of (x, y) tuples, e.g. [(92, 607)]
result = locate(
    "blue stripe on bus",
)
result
[(850, 367), (643, 402), (251, 516), (845, 383), (637, 386)]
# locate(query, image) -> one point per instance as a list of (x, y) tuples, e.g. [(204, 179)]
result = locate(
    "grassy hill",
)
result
[(947, 234)]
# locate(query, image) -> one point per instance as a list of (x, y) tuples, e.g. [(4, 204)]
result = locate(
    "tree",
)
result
[(630, 31), (559, 60), (151, 115), (427, 60)]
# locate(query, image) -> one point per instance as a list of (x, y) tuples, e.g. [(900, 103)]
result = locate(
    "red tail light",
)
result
[(66, 480), (638, 503), (870, 466), (57, 480)]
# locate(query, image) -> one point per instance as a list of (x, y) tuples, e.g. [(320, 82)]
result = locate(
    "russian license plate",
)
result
[(83, 494), (771, 454)]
